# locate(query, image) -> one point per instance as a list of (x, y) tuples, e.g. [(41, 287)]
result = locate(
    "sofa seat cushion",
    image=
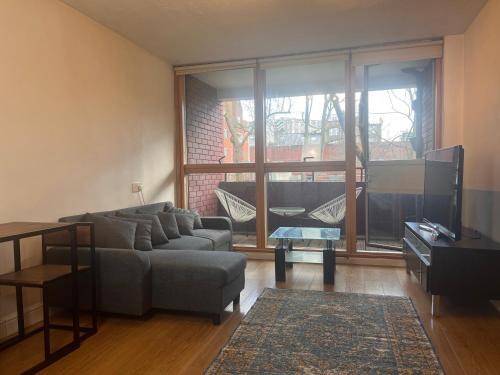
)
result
[(186, 243), (219, 237), (190, 267)]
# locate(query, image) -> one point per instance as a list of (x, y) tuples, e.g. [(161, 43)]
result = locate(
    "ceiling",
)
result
[(195, 31)]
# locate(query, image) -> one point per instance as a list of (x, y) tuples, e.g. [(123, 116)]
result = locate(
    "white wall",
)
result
[(83, 114), (472, 115)]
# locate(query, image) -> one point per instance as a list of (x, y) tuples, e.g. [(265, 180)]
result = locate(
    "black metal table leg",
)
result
[(329, 263), (19, 289), (279, 262), (74, 289), (289, 248), (46, 323), (93, 276)]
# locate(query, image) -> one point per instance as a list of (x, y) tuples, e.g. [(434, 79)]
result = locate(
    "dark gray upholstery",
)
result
[(217, 222), (123, 280), (142, 233), (185, 223), (197, 220), (217, 236), (169, 225), (215, 268), (158, 236), (196, 281), (187, 243), (187, 276), (113, 233)]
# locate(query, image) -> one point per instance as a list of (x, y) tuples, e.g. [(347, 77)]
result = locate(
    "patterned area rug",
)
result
[(309, 332)]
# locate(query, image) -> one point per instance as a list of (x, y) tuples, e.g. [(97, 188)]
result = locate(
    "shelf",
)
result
[(17, 230), (38, 276)]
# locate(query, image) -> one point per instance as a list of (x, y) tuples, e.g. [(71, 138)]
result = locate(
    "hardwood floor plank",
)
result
[(466, 337)]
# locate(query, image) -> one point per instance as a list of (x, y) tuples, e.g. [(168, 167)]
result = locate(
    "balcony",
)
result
[(385, 222)]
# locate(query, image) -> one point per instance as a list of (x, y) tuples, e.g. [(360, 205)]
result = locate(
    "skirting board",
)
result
[(32, 315), (340, 260)]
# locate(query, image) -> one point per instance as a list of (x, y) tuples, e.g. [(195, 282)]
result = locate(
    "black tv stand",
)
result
[(468, 267)]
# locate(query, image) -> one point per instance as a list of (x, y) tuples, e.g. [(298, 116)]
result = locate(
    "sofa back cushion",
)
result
[(169, 207), (142, 234), (158, 236), (185, 222), (112, 233), (169, 225)]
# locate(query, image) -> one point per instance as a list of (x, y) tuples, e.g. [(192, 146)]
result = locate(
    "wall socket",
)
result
[(137, 187)]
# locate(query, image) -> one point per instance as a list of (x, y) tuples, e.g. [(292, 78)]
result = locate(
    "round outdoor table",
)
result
[(287, 211)]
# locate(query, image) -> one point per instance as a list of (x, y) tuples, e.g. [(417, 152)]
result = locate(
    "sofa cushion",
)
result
[(169, 207), (142, 234), (187, 243), (191, 267), (169, 225), (185, 223), (112, 233), (218, 237), (158, 236)]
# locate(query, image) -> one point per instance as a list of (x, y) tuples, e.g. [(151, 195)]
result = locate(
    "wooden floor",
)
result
[(466, 336)]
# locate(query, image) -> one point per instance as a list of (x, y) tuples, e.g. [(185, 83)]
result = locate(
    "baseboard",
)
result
[(372, 261), (32, 315)]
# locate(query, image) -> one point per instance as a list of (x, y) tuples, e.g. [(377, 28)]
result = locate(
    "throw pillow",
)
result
[(169, 225), (112, 233), (197, 219), (142, 234), (185, 222), (158, 236)]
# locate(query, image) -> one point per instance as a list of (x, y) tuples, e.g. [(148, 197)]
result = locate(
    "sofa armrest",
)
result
[(217, 222), (123, 277)]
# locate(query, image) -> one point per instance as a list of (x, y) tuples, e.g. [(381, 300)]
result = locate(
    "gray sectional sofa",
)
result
[(196, 272)]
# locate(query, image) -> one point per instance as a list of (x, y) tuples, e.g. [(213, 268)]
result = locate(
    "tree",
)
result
[(239, 129)]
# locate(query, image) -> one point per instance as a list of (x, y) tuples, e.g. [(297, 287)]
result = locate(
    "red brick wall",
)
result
[(205, 143), (428, 109)]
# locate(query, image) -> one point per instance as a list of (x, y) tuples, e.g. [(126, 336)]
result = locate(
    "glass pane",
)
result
[(315, 200), (220, 117), (395, 127), (305, 112), (226, 194)]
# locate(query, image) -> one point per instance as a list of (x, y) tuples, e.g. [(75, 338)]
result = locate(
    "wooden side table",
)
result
[(42, 275)]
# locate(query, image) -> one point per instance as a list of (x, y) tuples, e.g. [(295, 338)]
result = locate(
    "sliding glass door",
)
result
[(305, 146), (321, 140), (396, 127)]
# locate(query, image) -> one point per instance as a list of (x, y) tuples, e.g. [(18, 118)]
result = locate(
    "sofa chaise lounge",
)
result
[(197, 273)]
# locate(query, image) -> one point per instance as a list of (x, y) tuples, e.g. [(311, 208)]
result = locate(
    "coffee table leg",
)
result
[(329, 263), (289, 249), (279, 262)]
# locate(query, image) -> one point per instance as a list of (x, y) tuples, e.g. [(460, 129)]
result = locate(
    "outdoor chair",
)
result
[(238, 210), (332, 212)]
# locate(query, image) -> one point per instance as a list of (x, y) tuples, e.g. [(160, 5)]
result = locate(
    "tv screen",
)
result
[(443, 190)]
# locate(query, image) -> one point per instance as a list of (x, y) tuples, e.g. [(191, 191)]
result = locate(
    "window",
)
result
[(220, 117), (304, 105)]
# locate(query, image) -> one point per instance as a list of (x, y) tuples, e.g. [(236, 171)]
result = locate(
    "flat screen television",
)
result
[(443, 182)]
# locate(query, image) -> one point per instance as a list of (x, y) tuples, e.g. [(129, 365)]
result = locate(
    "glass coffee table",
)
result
[(286, 256)]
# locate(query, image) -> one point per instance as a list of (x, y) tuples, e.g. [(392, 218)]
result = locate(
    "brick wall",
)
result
[(205, 143), (428, 109)]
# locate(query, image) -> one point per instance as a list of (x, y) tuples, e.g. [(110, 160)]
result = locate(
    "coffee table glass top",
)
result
[(306, 233)]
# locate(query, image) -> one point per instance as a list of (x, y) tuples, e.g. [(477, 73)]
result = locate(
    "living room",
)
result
[(236, 187)]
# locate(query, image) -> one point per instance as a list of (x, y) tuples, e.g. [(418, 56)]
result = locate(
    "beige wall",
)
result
[(453, 90), (472, 87), (83, 114), (482, 99)]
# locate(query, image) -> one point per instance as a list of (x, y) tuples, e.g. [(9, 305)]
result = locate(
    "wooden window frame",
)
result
[(261, 167)]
